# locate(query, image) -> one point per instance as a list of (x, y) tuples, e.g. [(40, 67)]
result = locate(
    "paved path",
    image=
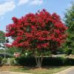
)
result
[(71, 72), (7, 72), (67, 71)]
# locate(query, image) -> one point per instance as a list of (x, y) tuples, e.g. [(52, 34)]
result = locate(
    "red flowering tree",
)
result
[(40, 31)]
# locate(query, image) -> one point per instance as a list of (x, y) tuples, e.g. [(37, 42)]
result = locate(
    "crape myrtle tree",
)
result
[(38, 33)]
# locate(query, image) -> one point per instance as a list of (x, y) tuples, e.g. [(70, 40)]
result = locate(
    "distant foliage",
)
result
[(69, 21), (2, 37)]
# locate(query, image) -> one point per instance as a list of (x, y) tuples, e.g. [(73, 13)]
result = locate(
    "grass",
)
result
[(45, 70)]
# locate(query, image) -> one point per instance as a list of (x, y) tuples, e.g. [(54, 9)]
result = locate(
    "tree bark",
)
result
[(39, 61)]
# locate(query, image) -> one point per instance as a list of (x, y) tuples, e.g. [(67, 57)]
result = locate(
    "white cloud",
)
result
[(32, 2), (21, 2), (36, 2), (6, 7), (9, 5)]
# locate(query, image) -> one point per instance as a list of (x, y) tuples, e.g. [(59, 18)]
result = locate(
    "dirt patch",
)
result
[(7, 68)]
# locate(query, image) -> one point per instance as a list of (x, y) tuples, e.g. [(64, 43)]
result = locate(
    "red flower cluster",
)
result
[(40, 30)]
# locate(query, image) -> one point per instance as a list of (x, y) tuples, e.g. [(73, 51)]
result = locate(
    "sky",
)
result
[(19, 8)]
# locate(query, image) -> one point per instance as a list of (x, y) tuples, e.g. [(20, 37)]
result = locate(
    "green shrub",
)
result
[(69, 61), (4, 61), (26, 61), (0, 60), (53, 61), (73, 52), (8, 61), (11, 61), (67, 51), (47, 61)]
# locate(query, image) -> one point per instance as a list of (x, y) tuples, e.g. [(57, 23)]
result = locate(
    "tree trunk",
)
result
[(39, 61)]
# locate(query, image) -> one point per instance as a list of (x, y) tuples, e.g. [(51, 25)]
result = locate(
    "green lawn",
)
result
[(49, 70)]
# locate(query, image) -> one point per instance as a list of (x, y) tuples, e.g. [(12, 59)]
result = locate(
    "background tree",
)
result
[(69, 21), (38, 33), (2, 39), (12, 50)]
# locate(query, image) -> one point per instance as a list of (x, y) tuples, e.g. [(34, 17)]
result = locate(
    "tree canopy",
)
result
[(41, 30), (69, 21)]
